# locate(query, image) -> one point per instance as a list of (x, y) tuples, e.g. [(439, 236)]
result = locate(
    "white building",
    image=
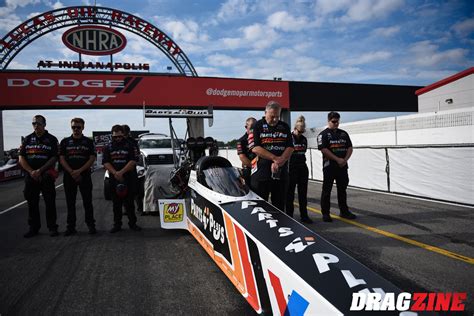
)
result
[(446, 116)]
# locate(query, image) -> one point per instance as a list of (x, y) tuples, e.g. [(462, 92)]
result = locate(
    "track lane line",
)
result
[(21, 203), (405, 196), (412, 242)]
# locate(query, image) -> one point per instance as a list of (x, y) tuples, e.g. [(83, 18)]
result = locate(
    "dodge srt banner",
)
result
[(67, 90)]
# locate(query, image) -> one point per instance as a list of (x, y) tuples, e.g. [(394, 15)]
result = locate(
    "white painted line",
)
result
[(401, 195), (11, 208), (21, 203)]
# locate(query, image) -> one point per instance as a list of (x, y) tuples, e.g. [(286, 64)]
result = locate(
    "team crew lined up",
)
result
[(273, 162), (272, 143), (38, 155)]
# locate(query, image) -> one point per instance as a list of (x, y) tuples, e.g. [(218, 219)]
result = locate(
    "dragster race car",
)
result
[(278, 265)]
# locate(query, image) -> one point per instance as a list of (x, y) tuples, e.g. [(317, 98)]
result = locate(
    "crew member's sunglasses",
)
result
[(117, 137), (335, 122), (76, 127), (36, 123)]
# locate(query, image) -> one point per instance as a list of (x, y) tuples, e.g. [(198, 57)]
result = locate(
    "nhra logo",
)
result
[(173, 212), (94, 40)]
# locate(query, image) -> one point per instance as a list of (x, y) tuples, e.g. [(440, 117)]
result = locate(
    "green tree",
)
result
[(232, 143)]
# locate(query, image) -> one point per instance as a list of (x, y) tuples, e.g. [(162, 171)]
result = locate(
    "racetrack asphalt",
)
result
[(166, 272)]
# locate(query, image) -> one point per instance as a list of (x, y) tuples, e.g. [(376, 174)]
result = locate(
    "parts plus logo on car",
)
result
[(173, 212)]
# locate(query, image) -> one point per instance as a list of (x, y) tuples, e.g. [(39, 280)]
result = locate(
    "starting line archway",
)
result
[(27, 32), (46, 89)]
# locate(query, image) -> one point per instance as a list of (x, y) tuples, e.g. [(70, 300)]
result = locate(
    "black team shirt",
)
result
[(38, 150), (77, 151), (274, 139), (298, 157), (243, 147), (337, 141), (119, 154)]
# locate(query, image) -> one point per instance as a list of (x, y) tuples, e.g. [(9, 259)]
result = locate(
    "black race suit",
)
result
[(298, 177), (77, 152), (338, 142), (37, 151), (243, 149), (119, 154), (274, 139)]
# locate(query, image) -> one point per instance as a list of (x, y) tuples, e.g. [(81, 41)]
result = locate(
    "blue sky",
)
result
[(405, 42)]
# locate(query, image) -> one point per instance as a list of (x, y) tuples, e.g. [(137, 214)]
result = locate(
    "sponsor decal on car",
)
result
[(173, 212)]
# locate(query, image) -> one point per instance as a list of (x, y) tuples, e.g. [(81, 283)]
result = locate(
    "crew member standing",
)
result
[(299, 172), (336, 147), (77, 154), (245, 155), (119, 160), (38, 155), (270, 140)]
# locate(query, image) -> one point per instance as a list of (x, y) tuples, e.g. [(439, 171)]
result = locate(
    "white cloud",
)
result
[(386, 31), (221, 60), (53, 5), (209, 71), (188, 34), (279, 65), (232, 9), (368, 58), (33, 14), (20, 3), (427, 54), (57, 5), (16, 65), (9, 23), (464, 28), (291, 52), (324, 7), (363, 10), (231, 43), (259, 36), (348, 11), (282, 20), (5, 11), (185, 30), (283, 53), (255, 37)]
